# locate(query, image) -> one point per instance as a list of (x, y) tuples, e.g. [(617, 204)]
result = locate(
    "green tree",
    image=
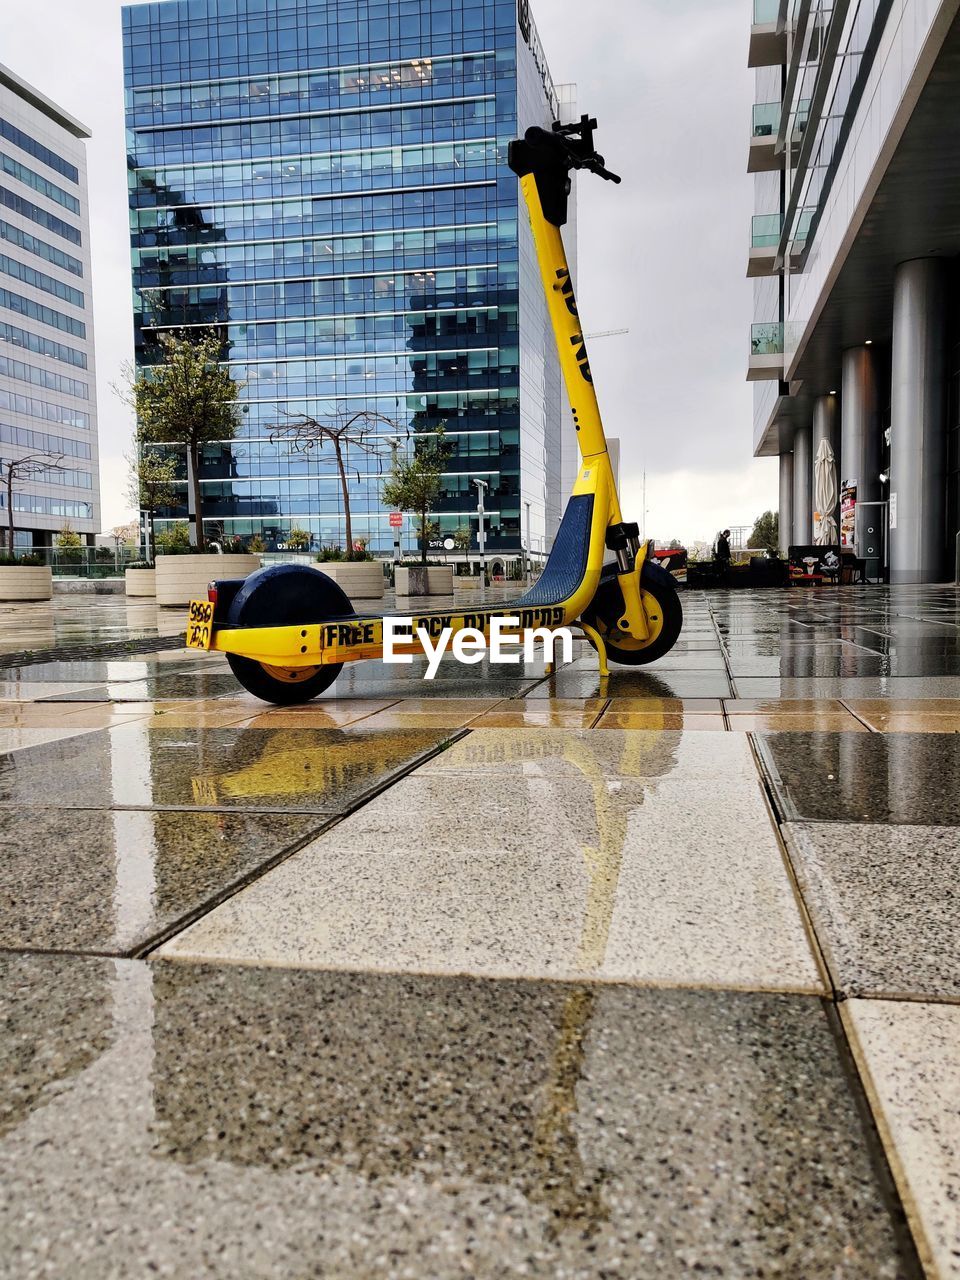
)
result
[(766, 531), (69, 544), (152, 485), (414, 484), (186, 399)]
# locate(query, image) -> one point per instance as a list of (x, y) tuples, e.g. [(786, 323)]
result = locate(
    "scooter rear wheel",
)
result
[(664, 612), (286, 595)]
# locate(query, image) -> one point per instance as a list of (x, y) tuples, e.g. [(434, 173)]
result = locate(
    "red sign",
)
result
[(396, 520)]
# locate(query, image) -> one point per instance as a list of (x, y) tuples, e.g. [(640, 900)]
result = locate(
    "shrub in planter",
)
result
[(28, 560), (174, 540), (327, 554), (297, 539)]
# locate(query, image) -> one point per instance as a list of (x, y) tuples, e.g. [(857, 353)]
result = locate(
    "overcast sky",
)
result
[(664, 254)]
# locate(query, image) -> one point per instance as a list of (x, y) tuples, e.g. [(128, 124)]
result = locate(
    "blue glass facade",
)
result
[(324, 182)]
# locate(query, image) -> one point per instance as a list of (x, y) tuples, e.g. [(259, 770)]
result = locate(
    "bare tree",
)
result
[(344, 428), (31, 464)]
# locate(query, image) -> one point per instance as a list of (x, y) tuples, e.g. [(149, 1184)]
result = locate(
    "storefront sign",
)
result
[(848, 511)]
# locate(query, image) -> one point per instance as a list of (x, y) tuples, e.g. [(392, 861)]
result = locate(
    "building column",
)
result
[(918, 422), (802, 487), (786, 502), (860, 424), (826, 422)]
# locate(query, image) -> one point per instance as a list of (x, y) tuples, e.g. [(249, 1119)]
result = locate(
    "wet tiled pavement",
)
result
[(505, 974)]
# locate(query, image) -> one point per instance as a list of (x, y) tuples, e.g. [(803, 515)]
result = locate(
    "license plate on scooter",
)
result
[(200, 624)]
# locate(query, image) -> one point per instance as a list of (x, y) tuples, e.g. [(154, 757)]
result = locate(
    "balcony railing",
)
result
[(765, 11), (766, 339), (765, 230), (801, 223), (766, 119)]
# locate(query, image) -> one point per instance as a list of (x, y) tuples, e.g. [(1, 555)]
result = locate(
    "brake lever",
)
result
[(596, 165)]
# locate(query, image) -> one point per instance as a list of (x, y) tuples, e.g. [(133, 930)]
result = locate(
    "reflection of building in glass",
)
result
[(855, 256), (48, 399), (328, 189)]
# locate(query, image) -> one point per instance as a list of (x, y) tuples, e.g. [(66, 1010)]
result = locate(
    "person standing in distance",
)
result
[(722, 556)]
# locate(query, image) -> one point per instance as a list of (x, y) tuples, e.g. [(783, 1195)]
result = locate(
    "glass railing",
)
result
[(766, 339), (765, 230), (801, 223), (82, 562), (766, 119), (765, 11)]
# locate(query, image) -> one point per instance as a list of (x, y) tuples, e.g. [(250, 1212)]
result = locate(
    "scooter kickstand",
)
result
[(596, 639)]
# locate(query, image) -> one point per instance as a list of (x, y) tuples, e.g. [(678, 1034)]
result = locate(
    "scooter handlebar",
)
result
[(573, 151)]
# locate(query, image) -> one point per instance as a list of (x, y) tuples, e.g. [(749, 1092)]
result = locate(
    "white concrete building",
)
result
[(48, 405), (855, 255)]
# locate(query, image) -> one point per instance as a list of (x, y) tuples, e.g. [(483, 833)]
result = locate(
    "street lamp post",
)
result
[(481, 535)]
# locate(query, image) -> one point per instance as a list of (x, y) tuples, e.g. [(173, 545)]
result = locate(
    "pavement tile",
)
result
[(148, 765), (630, 881), (560, 713), (418, 720), (849, 689), (676, 706), (80, 672), (659, 720), (780, 706), (16, 739), (162, 688), (813, 664), (43, 715), (910, 778), (878, 708), (885, 904), (624, 683), (326, 714), (907, 1053), (616, 753), (101, 881), (916, 724), (183, 1119), (798, 722), (28, 690)]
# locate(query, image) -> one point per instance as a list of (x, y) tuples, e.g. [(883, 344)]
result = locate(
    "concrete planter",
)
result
[(180, 579), (140, 582), (360, 579), (25, 582), (415, 580)]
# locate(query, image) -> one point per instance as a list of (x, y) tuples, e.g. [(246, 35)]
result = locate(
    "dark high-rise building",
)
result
[(323, 182)]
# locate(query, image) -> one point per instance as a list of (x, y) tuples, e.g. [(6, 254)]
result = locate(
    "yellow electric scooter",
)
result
[(287, 629)]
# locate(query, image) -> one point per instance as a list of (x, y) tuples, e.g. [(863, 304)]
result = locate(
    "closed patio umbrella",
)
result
[(826, 493)]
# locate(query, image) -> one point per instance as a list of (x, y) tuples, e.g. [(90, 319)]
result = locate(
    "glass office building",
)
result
[(48, 405), (323, 182)]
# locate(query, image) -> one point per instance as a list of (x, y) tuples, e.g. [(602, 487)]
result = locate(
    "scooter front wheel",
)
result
[(286, 595), (664, 612)]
